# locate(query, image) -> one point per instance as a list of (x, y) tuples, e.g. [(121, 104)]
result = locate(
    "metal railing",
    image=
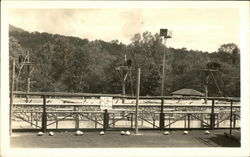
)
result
[(46, 116)]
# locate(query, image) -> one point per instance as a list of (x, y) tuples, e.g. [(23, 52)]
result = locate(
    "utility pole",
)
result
[(163, 68), (165, 33), (137, 100), (124, 79), (28, 77), (11, 95), (206, 88), (209, 72)]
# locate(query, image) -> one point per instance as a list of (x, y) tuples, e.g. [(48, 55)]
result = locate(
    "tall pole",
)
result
[(28, 77), (206, 88), (137, 100), (162, 117), (231, 116), (124, 80), (163, 69), (11, 96)]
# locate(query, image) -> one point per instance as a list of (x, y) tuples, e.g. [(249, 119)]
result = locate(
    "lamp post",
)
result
[(165, 33)]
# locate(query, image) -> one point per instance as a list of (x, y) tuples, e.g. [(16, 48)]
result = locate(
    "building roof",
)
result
[(187, 92)]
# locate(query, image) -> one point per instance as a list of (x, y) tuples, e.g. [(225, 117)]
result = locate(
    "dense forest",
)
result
[(71, 64)]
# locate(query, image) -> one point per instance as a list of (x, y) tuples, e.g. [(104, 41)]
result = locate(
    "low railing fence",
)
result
[(74, 116), (120, 119)]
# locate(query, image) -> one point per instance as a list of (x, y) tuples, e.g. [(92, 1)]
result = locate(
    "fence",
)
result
[(158, 113)]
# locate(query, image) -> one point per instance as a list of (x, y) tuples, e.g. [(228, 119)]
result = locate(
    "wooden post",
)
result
[(231, 116), (11, 96), (217, 117), (28, 78), (188, 121), (169, 120), (234, 124), (212, 117), (185, 122), (31, 120), (124, 80), (206, 88), (44, 115), (162, 116), (137, 100), (113, 120), (154, 121), (132, 119), (36, 120), (202, 118), (95, 121), (123, 88), (76, 118), (142, 118), (105, 120), (56, 120)]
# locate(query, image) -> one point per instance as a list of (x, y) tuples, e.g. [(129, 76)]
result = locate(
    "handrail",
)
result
[(118, 96), (129, 105)]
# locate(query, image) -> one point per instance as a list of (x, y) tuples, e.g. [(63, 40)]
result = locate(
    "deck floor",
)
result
[(113, 139)]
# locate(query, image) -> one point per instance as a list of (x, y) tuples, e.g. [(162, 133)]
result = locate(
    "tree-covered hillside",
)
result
[(70, 64)]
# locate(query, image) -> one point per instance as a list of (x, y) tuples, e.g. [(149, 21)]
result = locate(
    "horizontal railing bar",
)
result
[(118, 96), (126, 105)]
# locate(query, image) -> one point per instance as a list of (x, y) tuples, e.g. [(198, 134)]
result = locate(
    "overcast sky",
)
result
[(197, 29)]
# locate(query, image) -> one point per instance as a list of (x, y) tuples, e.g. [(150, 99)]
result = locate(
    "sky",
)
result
[(203, 29)]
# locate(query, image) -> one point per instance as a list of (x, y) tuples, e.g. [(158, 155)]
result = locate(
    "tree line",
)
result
[(71, 64)]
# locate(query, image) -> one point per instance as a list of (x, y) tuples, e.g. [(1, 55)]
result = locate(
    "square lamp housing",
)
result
[(165, 33)]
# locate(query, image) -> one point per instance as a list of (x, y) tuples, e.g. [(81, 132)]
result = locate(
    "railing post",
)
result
[(31, 120), (113, 120), (142, 118), (212, 116), (56, 120), (169, 120), (231, 116), (36, 120), (76, 118), (162, 116), (44, 115), (188, 121), (132, 119), (154, 120), (202, 118), (234, 124), (96, 121), (105, 120)]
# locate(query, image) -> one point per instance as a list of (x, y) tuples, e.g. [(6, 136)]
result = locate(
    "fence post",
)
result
[(188, 121), (56, 120), (44, 116), (36, 120), (76, 118), (212, 116), (202, 118), (95, 121), (169, 120), (162, 116), (234, 124), (31, 120), (231, 116), (132, 119), (113, 120), (105, 120)]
